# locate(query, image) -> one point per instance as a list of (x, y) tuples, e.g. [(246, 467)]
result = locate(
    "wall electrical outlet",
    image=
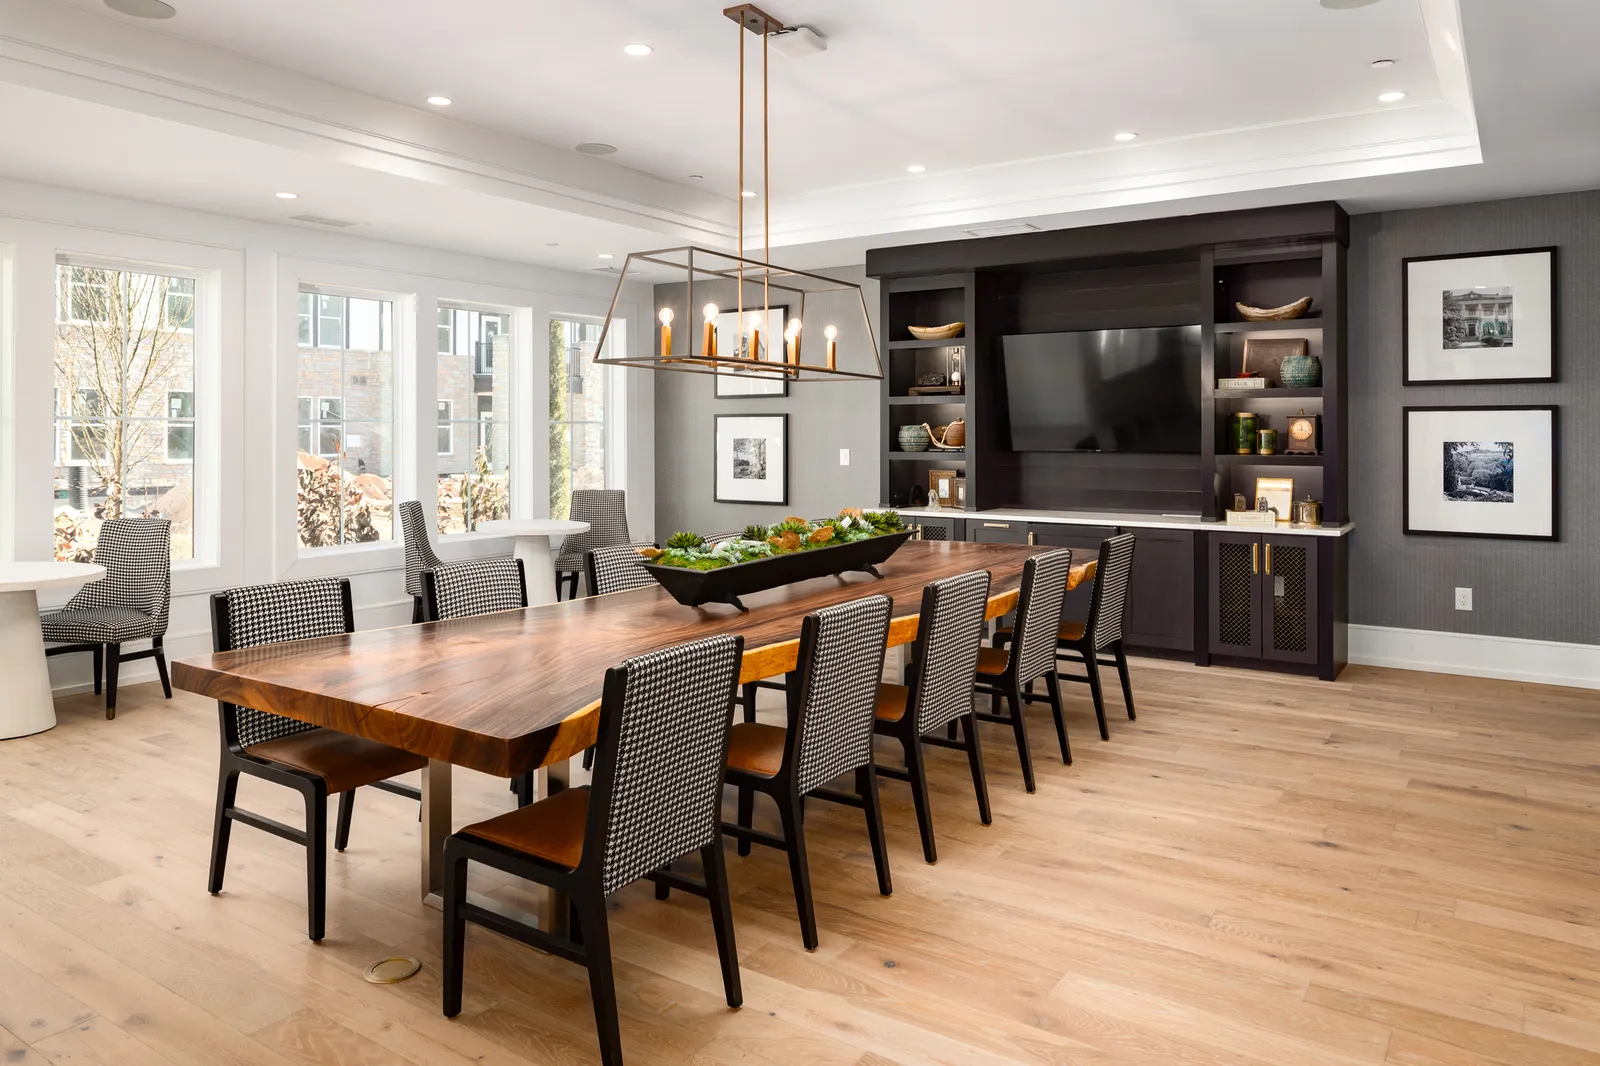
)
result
[(844, 456), (1463, 599)]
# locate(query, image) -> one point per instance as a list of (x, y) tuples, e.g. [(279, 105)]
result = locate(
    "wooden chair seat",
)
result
[(757, 748), (342, 760), (892, 702), (551, 829), (992, 661)]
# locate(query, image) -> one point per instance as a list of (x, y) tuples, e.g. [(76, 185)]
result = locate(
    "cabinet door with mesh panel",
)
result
[(1289, 599), (1235, 601)]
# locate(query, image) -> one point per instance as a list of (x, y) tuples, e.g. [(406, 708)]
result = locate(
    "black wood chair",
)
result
[(130, 603), (949, 635), (606, 511), (315, 762), (616, 568), (419, 552), (832, 704), (474, 587), (1032, 656), (1084, 642), (664, 720)]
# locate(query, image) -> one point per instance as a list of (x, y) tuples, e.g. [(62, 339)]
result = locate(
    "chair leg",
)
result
[(113, 660), (523, 786), (161, 667), (722, 920), (416, 610), (749, 694), (341, 829), (602, 984), (919, 795), (1092, 664), (316, 861), (222, 828), (1052, 683), (980, 783), (794, 836), (1019, 725), (1122, 672), (867, 789), (455, 931), (747, 812), (664, 891), (99, 666)]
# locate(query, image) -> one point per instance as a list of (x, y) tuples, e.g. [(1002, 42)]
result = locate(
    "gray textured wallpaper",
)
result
[(1542, 591)]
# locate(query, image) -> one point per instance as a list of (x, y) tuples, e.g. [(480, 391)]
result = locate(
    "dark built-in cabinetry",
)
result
[(1207, 591)]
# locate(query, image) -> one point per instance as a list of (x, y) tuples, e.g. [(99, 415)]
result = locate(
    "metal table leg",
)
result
[(436, 826)]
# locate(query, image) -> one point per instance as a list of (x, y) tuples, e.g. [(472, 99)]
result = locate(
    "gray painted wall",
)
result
[(824, 416), (1537, 590)]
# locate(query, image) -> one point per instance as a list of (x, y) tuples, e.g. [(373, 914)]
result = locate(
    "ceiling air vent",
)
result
[(324, 220), (1003, 231)]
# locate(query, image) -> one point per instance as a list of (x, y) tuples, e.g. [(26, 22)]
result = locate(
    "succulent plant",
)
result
[(755, 532), (684, 541), (792, 525)]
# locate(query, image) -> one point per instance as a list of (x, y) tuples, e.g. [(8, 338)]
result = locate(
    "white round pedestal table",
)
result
[(27, 705), (533, 548)]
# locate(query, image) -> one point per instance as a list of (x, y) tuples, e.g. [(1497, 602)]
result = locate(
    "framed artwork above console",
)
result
[(1488, 318)]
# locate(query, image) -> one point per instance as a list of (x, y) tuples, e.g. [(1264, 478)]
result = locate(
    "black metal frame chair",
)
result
[(832, 703), (289, 752), (653, 800), (1102, 630), (949, 635), (616, 568), (419, 552), (606, 511)]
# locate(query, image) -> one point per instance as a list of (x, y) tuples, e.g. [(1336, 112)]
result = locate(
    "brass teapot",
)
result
[(1306, 512)]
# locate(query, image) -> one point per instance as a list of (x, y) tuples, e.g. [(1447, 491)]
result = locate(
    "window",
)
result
[(579, 390), (474, 393), (124, 369), (180, 426), (344, 419)]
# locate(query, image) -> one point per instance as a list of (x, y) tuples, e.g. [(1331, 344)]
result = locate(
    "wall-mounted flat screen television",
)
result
[(1107, 390)]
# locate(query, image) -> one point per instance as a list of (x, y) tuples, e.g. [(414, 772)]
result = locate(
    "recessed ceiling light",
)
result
[(288, 196), (915, 168), (142, 9), (697, 177), (637, 49), (1381, 64), (596, 148), (439, 101), (552, 244), (1346, 5), (607, 255), (1123, 136), (1391, 97), (748, 193)]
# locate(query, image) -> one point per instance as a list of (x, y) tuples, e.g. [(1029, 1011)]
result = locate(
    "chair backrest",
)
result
[(1044, 586), (606, 511), (419, 549), (949, 633), (272, 614), (664, 721), (616, 569), (477, 586), (1109, 604), (137, 555), (833, 703)]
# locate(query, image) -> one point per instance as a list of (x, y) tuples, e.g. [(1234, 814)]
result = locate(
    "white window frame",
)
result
[(64, 306), (519, 326), (447, 410), (166, 306)]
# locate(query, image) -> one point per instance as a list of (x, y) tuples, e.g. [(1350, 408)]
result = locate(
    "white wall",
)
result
[(249, 275)]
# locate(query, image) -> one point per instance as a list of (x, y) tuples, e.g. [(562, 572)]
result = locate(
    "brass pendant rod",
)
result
[(766, 201), (738, 322)]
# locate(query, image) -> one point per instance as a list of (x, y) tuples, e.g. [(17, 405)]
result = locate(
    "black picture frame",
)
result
[(1555, 471), (1407, 378), (716, 433), (726, 375)]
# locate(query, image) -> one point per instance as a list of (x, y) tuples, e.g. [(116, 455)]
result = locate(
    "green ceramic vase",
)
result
[(1300, 372)]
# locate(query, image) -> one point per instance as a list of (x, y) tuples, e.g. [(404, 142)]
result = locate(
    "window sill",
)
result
[(369, 558)]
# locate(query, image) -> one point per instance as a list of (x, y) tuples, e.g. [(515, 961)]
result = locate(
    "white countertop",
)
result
[(1130, 519)]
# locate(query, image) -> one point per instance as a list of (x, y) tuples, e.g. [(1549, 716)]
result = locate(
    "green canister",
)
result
[(1267, 441), (1244, 432)]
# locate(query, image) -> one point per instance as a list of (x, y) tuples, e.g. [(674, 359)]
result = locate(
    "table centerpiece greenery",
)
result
[(690, 550)]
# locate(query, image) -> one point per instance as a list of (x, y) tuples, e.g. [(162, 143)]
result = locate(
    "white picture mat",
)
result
[(732, 383), (1531, 354), (770, 489), (1532, 435)]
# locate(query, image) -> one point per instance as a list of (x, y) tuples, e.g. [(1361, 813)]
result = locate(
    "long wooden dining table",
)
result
[(519, 690)]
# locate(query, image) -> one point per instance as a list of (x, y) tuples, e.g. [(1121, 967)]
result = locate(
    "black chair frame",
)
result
[(1082, 651), (108, 657), (1018, 692)]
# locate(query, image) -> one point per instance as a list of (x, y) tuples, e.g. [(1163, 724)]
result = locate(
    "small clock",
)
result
[(1304, 436)]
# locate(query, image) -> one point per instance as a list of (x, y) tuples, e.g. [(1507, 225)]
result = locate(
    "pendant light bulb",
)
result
[(793, 329), (710, 312), (665, 316), (831, 332)]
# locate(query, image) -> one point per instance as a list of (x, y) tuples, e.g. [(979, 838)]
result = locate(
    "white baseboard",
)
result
[(1543, 662)]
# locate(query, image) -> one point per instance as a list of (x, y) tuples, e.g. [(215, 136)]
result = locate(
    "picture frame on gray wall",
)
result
[(750, 458), (1489, 471), (1479, 318)]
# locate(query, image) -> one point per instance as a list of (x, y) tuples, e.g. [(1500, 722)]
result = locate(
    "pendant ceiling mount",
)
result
[(757, 327)]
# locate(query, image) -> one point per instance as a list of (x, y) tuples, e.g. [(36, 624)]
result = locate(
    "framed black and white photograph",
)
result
[(752, 455), (1480, 319), (733, 338), (1481, 471)]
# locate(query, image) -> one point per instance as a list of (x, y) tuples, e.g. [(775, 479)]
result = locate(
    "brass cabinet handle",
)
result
[(997, 525), (1032, 537), (1255, 558), (1269, 558)]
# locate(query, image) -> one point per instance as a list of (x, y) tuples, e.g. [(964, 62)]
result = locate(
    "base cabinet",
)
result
[(940, 528), (1263, 597)]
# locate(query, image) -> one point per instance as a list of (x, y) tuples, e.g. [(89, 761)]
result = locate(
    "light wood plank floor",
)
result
[(1261, 871)]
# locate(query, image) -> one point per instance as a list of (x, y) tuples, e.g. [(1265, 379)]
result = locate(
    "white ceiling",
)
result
[(1236, 102)]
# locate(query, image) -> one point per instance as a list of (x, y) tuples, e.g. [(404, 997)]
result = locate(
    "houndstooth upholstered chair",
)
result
[(832, 702), (616, 569), (657, 789), (949, 634), (130, 603), (315, 762), (420, 555), (606, 511), (1085, 641)]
